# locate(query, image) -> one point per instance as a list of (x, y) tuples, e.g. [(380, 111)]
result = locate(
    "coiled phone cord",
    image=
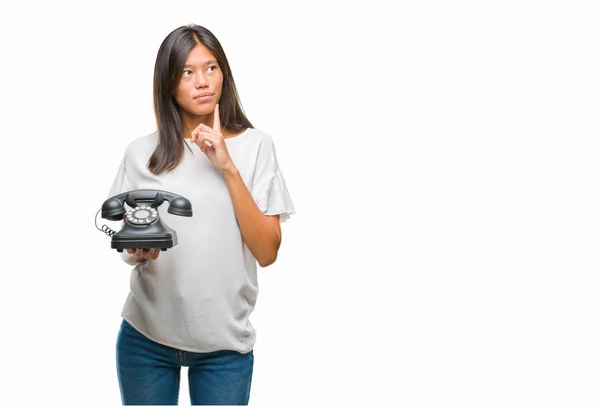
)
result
[(104, 228)]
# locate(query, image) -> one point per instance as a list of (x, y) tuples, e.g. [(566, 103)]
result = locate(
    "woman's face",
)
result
[(201, 82)]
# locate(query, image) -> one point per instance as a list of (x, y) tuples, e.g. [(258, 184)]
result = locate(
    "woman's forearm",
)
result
[(261, 234)]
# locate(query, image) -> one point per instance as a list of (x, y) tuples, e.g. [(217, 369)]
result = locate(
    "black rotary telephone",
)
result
[(142, 227)]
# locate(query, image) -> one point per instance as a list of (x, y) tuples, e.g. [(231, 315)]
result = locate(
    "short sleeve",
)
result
[(269, 188), (120, 183)]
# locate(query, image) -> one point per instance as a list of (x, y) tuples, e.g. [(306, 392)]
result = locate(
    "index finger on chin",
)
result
[(217, 119)]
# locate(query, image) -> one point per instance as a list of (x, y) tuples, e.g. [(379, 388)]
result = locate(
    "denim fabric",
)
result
[(149, 373)]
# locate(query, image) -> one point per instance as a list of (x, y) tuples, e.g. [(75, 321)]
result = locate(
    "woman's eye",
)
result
[(212, 68), (187, 72)]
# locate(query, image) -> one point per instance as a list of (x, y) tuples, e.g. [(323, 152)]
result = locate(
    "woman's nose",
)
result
[(201, 81)]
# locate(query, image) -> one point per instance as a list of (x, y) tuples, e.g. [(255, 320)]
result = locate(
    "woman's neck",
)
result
[(191, 122)]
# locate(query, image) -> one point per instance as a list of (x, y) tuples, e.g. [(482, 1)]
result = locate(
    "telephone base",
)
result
[(162, 243)]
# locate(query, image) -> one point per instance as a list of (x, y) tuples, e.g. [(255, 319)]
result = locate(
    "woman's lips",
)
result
[(203, 98)]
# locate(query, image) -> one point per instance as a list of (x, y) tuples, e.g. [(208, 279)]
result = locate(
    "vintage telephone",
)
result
[(142, 226)]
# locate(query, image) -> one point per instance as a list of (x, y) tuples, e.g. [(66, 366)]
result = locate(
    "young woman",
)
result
[(190, 305)]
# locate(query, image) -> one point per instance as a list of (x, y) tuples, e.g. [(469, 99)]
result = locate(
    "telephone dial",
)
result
[(142, 227)]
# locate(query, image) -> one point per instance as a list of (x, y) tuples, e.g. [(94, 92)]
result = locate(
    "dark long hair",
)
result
[(170, 60)]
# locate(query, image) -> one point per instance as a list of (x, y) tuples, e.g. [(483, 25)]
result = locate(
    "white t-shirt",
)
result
[(198, 295)]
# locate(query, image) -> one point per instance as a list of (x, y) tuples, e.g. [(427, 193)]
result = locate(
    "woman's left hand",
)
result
[(212, 143)]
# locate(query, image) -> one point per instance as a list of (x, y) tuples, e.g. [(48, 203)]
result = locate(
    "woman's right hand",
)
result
[(145, 254)]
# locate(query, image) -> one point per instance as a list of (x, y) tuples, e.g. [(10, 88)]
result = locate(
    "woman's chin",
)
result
[(199, 110)]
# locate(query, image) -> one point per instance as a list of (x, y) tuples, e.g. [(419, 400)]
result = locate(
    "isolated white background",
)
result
[(442, 157)]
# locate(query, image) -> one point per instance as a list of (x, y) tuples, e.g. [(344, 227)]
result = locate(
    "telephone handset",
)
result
[(142, 226)]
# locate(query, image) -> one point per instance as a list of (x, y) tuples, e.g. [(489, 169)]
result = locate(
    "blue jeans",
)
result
[(149, 373)]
